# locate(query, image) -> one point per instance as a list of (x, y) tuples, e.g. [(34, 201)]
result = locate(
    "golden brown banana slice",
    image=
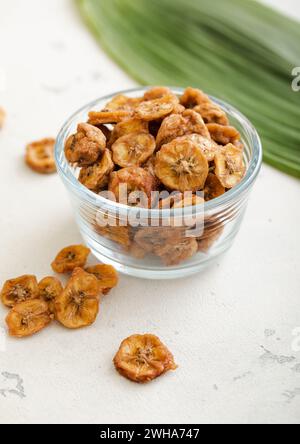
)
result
[(40, 156), (97, 118), (85, 147), (213, 188), (181, 166), (27, 318), (49, 289), (193, 97), (157, 93), (118, 234), (169, 202), (208, 147), (212, 232), (78, 305), (128, 127), (19, 290), (189, 201), (223, 135), (142, 358), (132, 186), (178, 125), (137, 252), (96, 177), (70, 258), (230, 167), (107, 276), (174, 253), (133, 149), (123, 103), (212, 113), (149, 238), (118, 109), (156, 109), (2, 117)]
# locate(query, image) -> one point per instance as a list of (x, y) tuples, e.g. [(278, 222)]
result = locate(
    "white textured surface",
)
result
[(231, 329)]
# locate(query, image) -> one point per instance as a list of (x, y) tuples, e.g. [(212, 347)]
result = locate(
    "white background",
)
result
[(231, 328)]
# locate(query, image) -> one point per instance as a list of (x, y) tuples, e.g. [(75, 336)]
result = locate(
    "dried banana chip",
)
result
[(40, 156), (230, 168), (128, 127), (19, 290), (212, 113), (78, 305), (212, 232), (70, 258), (189, 202), (174, 253), (122, 103), (49, 289), (118, 234), (132, 182), (118, 109), (107, 276), (157, 108), (150, 238), (2, 117), (208, 147), (142, 358), (223, 135), (137, 251), (193, 97), (213, 188), (85, 147), (178, 125), (27, 318), (157, 93), (170, 201), (96, 177), (103, 117), (181, 166), (133, 150)]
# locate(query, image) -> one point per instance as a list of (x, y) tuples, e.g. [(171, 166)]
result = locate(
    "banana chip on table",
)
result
[(143, 358), (27, 318), (40, 156), (181, 166), (133, 149), (230, 168), (19, 290), (96, 177), (49, 289), (78, 305), (70, 258), (85, 147), (2, 117), (107, 276)]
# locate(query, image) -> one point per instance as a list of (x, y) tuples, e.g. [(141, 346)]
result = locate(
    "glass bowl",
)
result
[(129, 243)]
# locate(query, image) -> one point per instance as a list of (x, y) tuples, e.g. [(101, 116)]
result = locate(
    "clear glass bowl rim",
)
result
[(229, 197)]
